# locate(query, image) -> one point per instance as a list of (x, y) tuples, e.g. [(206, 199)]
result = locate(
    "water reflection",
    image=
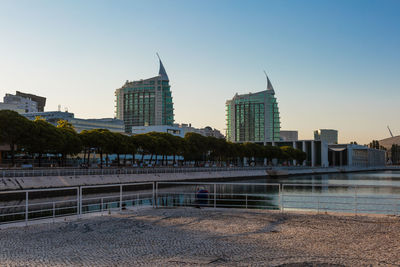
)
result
[(371, 192)]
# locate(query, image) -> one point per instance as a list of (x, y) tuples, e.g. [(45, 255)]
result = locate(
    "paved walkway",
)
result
[(192, 237)]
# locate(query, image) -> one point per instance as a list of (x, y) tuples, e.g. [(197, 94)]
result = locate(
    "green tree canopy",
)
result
[(71, 144), (44, 138), (14, 130)]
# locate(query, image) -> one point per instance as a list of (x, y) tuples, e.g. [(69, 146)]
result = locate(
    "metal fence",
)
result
[(29, 205), (217, 195), (356, 199), (116, 171)]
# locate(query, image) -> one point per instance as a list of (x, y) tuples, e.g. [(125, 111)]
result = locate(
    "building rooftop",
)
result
[(162, 71)]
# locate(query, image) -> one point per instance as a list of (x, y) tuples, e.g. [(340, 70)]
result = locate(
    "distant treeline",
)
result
[(37, 138)]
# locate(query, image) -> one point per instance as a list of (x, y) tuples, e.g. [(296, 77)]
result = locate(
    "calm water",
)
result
[(370, 192)]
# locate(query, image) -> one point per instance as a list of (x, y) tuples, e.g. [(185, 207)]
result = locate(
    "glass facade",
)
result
[(145, 102), (253, 118), (139, 106)]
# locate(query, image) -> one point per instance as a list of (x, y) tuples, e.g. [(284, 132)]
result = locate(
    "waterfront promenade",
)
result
[(212, 237)]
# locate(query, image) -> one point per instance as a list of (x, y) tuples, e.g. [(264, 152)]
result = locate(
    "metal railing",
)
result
[(11, 173), (120, 171), (218, 195), (356, 199), (29, 205)]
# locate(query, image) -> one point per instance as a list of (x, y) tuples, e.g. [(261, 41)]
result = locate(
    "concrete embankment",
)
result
[(19, 183), (39, 182), (309, 171)]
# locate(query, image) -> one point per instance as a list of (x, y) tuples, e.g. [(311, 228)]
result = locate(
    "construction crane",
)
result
[(390, 131)]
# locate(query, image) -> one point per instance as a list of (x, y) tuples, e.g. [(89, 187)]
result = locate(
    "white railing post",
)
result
[(79, 198), (215, 196), (355, 200), (279, 197), (54, 210), (26, 207), (282, 198), (120, 197), (156, 195)]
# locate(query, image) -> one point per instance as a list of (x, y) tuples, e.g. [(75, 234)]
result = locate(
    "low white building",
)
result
[(18, 103), (355, 155), (158, 128), (286, 135), (206, 131), (320, 153), (316, 151), (177, 129), (114, 125), (327, 135)]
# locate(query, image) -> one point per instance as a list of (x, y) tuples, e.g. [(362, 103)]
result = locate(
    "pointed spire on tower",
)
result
[(269, 84), (162, 71)]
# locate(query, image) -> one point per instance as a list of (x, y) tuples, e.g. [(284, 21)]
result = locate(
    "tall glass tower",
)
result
[(145, 102), (253, 117)]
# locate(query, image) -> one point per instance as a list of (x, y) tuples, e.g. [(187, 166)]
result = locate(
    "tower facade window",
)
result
[(253, 117), (145, 102)]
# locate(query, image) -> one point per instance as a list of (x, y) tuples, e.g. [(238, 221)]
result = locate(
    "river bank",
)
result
[(212, 237), (59, 181)]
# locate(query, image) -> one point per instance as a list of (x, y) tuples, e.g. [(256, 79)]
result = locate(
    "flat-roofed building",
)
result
[(174, 130), (18, 103), (327, 135), (206, 131), (40, 100), (355, 156), (114, 125), (286, 135), (178, 130), (316, 151)]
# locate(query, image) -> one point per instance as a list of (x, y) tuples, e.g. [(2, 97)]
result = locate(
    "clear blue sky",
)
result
[(333, 64)]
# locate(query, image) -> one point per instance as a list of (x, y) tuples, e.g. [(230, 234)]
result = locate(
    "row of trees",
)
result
[(40, 137)]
